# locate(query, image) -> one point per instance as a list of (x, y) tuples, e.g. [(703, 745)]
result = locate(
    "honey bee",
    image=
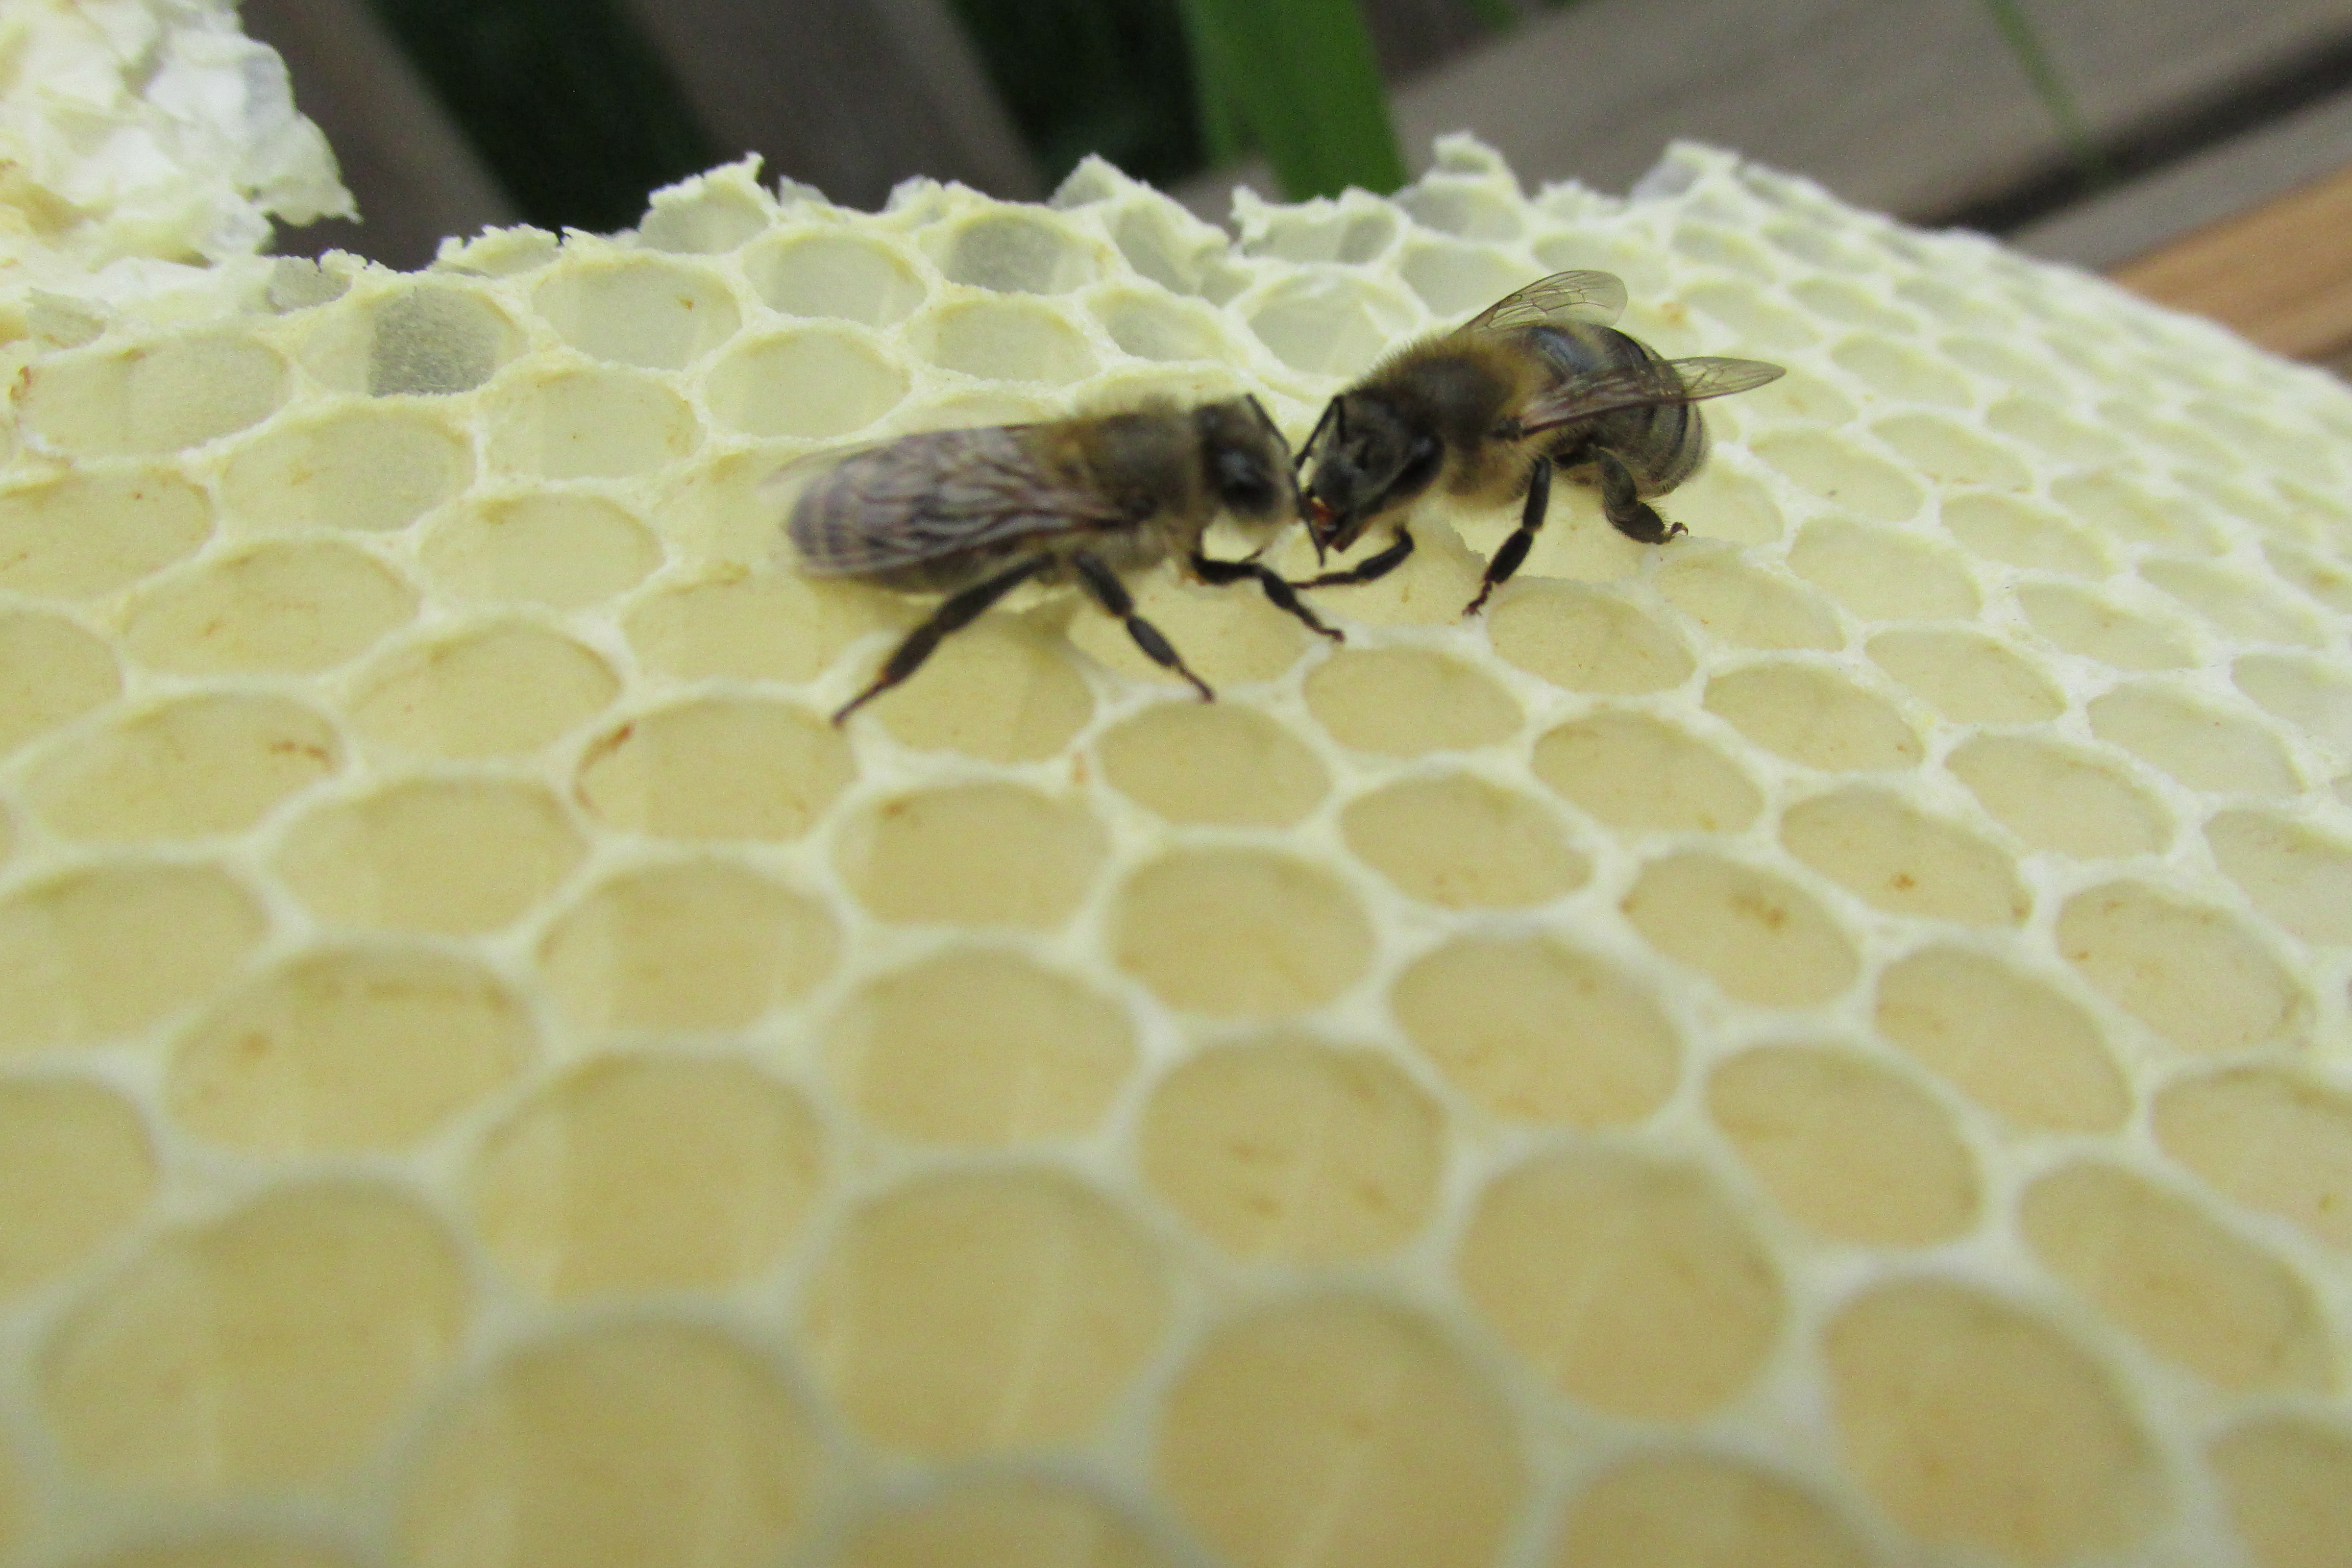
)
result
[(1536, 382), (973, 514)]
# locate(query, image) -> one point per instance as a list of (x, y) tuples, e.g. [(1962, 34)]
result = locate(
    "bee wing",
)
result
[(1650, 382), (1570, 296), (923, 497)]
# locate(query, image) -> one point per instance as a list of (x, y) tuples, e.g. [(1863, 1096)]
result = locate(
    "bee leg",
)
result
[(1623, 508), (1514, 549), (1369, 570), (1276, 590), (1112, 595), (958, 611)]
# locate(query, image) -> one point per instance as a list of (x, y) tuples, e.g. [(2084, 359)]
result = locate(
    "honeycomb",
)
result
[(1824, 1044)]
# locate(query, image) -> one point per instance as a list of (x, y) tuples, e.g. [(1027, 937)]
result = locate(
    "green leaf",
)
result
[(1300, 79), (2051, 87)]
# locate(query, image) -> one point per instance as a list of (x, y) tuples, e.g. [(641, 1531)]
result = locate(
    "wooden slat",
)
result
[(1914, 106), (2281, 275)]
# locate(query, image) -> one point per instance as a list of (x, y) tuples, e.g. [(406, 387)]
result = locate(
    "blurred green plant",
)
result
[(1297, 80), (2050, 85), (1112, 77)]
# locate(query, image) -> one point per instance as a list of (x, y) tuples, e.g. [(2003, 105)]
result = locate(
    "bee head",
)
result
[(1247, 462), (1369, 457)]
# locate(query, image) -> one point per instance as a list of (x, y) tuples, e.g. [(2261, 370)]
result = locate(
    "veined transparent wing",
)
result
[(1643, 385), (930, 495), (1562, 296)]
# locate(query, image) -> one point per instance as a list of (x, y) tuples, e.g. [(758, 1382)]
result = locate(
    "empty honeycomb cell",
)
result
[(77, 1168), (735, 624), (1699, 1511), (2323, 578), (1231, 636), (1016, 252), (2097, 628), (2234, 605), (693, 945), (232, 1551), (1003, 691), (107, 949), (2005, 1039), (2007, 368), (987, 854), (1466, 210), (566, 551), (588, 423), (1967, 676), (1897, 859), (1290, 1150), (2306, 693), (1535, 1031), (1587, 640), (1900, 371), (631, 1445), (983, 1523), (1005, 340), (980, 1046), (496, 691), (97, 530), (717, 768), (1949, 453), (361, 467), (269, 1348), (423, 338), (835, 275), (2287, 1481), (2041, 425), (1842, 473), (2300, 878), (51, 671), (2126, 513), (1336, 1432), (1881, 574), (983, 1310), (1214, 765), (1811, 714), (647, 1172), (161, 396), (2058, 797), (183, 769), (1164, 243), (291, 608), (1454, 279), (1459, 842), (1240, 932), (1723, 504), (639, 310), (454, 855), (1329, 324), (1977, 1425), (1849, 1149), (345, 1050), (1800, 395), (2190, 1290), (1407, 703), (2273, 1141), (1755, 319), (710, 215), (1758, 936), (1744, 607), (1152, 328), (2187, 972), (2204, 746), (2024, 533), (816, 383), (1342, 231), (1628, 1284), (1641, 773), (1854, 304)]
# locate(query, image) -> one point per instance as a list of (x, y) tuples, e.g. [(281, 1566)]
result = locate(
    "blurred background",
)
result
[(2199, 150)]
